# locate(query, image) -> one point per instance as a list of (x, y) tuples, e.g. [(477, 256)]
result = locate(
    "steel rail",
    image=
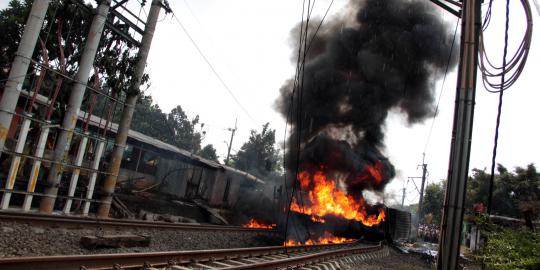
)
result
[(41, 219), (241, 258)]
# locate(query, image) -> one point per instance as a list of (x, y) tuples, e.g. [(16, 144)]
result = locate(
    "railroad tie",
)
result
[(235, 263), (323, 266), (203, 266), (221, 264), (178, 267), (247, 261)]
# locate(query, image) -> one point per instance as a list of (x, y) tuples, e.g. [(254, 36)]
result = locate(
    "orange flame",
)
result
[(317, 219), (371, 172), (327, 238), (253, 223), (325, 199)]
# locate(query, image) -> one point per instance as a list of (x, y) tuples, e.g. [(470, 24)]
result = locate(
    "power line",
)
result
[(214, 70), (499, 110), (299, 71), (298, 89), (507, 74), (442, 87)]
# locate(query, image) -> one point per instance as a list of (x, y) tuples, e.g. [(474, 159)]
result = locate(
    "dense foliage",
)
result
[(515, 194), (64, 32), (508, 248), (209, 152), (174, 128), (433, 202), (259, 155)]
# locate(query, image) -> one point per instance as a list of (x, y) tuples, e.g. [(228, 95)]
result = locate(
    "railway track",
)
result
[(333, 256), (82, 222)]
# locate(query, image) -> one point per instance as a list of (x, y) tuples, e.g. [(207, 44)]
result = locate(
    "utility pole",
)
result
[(421, 200), (230, 143), (458, 169), (127, 112), (19, 68), (72, 113)]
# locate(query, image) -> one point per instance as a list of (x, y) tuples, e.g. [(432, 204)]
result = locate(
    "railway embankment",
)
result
[(49, 238)]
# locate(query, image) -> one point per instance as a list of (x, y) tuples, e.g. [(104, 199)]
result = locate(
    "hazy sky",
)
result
[(248, 44)]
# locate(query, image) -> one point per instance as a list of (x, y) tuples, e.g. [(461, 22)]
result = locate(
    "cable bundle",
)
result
[(499, 78)]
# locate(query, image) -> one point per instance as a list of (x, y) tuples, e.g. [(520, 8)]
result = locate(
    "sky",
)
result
[(248, 45)]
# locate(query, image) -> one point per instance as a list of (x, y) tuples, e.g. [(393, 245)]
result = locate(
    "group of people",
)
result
[(428, 233)]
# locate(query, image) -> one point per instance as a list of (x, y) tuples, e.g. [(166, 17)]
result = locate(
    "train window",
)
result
[(126, 158), (149, 163), (227, 190), (127, 152)]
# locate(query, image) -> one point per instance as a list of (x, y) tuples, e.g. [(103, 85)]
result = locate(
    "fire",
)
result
[(326, 199), (253, 223), (327, 238), (317, 219), (371, 172)]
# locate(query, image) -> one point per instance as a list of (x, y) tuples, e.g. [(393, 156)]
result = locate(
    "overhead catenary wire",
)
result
[(303, 49), (297, 74), (300, 92), (214, 71), (442, 87)]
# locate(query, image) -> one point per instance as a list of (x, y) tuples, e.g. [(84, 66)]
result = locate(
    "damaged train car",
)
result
[(156, 180)]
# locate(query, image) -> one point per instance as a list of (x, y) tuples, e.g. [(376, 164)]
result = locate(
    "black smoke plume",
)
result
[(383, 55)]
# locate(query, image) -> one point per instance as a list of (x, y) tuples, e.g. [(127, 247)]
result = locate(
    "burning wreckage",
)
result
[(383, 56)]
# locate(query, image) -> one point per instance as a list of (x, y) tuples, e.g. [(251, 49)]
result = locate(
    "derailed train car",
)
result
[(152, 164), (397, 225), (148, 166)]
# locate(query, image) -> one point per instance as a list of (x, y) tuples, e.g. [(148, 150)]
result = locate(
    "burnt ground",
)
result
[(396, 260)]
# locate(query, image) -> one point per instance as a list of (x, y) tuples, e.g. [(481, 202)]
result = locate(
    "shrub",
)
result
[(511, 249)]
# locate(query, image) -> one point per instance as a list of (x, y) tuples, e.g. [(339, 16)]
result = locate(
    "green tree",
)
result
[(150, 120), (259, 155), (513, 192), (174, 128), (209, 152), (66, 25), (183, 130), (433, 201), (12, 20)]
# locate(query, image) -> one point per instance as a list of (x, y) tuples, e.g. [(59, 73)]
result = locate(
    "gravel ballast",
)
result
[(20, 239)]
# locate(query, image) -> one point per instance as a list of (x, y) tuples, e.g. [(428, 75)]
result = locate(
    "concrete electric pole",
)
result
[(458, 170), (72, 113), (127, 112), (421, 200), (19, 68)]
